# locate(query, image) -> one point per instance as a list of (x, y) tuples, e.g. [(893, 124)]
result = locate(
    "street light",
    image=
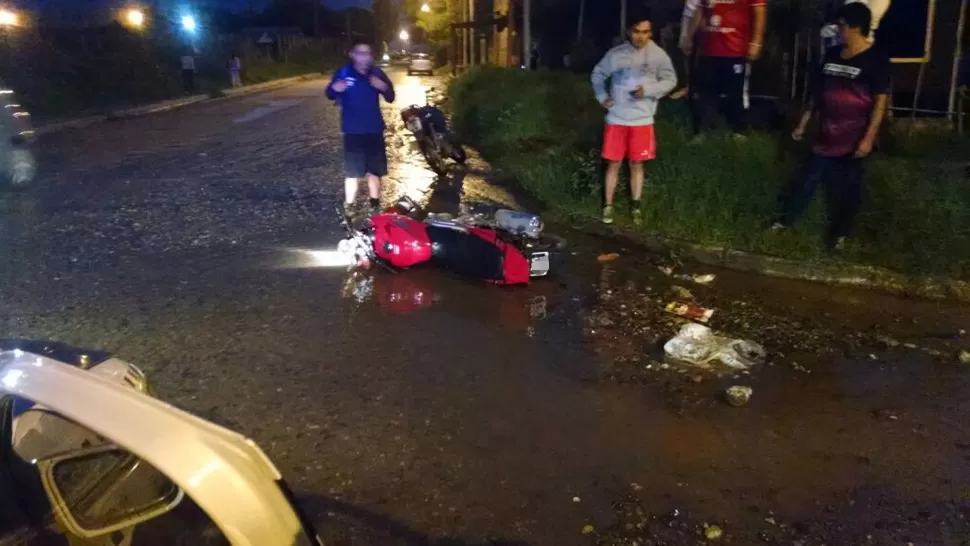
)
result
[(8, 18), (426, 8), (404, 36), (188, 23), (135, 18)]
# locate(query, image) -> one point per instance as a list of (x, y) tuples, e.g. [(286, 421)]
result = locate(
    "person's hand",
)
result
[(754, 51), (798, 133), (378, 83), (687, 46), (638, 92), (339, 86), (608, 103), (863, 149)]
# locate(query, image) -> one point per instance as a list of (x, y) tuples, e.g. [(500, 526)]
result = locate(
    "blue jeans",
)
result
[(842, 177)]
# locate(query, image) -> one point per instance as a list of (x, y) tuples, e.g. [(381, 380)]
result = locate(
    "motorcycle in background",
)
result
[(430, 128)]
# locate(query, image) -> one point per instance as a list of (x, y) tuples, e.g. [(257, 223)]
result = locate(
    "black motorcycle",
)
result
[(430, 128)]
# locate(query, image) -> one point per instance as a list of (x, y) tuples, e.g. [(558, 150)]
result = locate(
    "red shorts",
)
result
[(634, 143)]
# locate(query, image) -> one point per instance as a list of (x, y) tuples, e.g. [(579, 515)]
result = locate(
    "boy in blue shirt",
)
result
[(357, 88)]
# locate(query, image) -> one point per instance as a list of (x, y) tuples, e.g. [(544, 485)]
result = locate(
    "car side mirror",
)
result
[(100, 490)]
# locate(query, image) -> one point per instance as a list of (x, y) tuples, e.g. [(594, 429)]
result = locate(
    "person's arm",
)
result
[(332, 93), (880, 85), (814, 101), (602, 72), (798, 133), (666, 78), (875, 123), (696, 23), (389, 94), (759, 20)]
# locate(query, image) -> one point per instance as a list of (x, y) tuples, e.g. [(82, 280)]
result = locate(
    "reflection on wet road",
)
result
[(409, 408)]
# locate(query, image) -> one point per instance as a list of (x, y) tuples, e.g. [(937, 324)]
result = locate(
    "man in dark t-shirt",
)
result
[(851, 93)]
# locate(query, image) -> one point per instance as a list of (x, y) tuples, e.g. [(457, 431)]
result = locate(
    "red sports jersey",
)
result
[(729, 26)]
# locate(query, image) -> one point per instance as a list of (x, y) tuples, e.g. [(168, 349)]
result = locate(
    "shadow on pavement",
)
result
[(345, 523), (446, 193)]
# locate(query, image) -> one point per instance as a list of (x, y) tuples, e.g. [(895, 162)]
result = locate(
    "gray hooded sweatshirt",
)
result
[(627, 68)]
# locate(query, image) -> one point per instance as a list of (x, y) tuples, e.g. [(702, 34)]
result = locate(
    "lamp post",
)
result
[(9, 18)]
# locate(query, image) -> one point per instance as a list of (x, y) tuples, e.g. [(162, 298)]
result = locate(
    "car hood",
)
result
[(55, 350)]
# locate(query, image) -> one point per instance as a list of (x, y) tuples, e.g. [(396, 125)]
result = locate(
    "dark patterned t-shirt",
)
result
[(845, 96)]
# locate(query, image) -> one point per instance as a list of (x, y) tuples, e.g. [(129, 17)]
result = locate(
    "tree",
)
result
[(385, 20), (436, 21)]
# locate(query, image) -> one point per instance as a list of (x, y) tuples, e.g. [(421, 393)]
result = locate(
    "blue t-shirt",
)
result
[(360, 103)]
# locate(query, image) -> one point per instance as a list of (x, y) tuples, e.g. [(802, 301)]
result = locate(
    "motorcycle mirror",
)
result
[(406, 205)]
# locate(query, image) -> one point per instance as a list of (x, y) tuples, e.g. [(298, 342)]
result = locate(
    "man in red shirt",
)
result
[(731, 37)]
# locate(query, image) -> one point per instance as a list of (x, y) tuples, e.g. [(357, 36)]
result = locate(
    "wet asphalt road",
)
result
[(438, 410)]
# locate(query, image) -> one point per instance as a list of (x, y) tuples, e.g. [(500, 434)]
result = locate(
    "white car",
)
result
[(87, 457), (420, 63)]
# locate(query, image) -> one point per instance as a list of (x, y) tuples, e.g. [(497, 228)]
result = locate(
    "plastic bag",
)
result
[(697, 345)]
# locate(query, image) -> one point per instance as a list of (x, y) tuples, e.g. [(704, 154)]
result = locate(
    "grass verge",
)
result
[(543, 129)]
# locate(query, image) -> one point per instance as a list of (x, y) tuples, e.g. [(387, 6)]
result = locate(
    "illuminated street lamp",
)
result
[(404, 36), (8, 18), (426, 8), (135, 18), (188, 23)]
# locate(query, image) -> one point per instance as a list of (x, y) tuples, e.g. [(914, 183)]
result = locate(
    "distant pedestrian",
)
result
[(850, 97), (188, 72), (235, 70), (731, 37), (640, 74), (357, 88)]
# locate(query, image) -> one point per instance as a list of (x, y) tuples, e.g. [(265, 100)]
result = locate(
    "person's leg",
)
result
[(705, 94), (845, 191), (802, 189), (612, 180), (376, 167), (734, 76), (643, 147), (355, 167), (615, 150), (636, 182), (350, 190)]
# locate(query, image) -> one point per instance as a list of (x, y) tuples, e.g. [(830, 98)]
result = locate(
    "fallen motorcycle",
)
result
[(430, 128), (473, 246)]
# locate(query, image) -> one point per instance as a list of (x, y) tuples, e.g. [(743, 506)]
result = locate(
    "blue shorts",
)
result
[(364, 154)]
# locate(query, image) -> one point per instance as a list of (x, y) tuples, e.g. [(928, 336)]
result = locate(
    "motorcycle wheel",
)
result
[(545, 243), (458, 153), (432, 154)]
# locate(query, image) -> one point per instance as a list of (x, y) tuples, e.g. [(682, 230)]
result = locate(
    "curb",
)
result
[(168, 105), (832, 273)]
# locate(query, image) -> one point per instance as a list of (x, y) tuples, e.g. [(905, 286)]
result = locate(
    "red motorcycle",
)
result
[(396, 240)]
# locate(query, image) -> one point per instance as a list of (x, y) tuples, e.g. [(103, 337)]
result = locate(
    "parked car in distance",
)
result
[(420, 63)]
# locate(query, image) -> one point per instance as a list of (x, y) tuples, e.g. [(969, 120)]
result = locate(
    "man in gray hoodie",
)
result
[(639, 74)]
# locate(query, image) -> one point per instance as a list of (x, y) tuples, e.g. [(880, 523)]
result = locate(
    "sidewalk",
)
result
[(167, 105)]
